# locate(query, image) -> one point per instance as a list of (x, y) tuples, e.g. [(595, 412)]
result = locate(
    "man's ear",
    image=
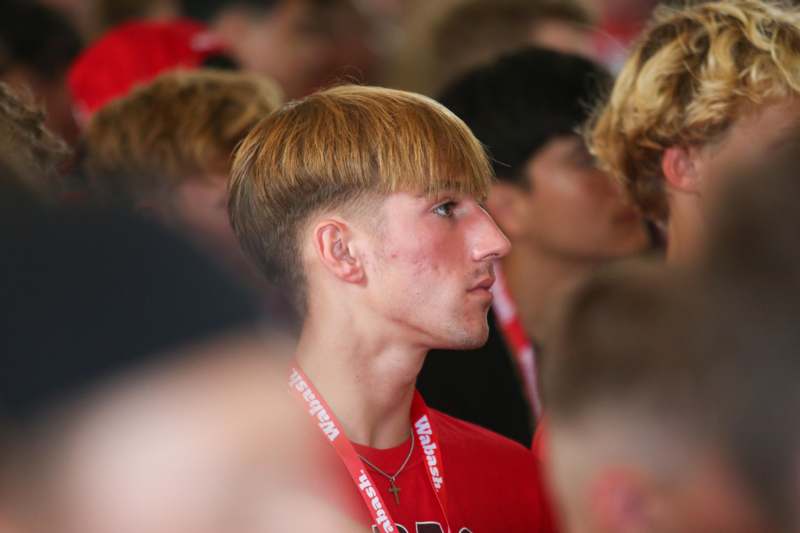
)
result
[(618, 500), (507, 205), (680, 169), (336, 249)]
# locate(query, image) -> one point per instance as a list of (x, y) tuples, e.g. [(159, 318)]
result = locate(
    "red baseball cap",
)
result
[(134, 53)]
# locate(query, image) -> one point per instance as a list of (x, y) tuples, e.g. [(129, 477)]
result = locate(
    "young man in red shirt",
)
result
[(366, 201)]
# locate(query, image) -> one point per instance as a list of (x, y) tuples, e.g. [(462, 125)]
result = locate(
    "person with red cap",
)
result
[(135, 53)]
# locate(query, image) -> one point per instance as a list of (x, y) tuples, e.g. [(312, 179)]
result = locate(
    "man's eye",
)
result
[(445, 210)]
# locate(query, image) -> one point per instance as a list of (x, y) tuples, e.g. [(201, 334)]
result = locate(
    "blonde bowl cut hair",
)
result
[(693, 71), (342, 148), (183, 125)]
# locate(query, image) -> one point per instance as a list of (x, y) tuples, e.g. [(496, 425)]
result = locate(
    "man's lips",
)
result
[(484, 284)]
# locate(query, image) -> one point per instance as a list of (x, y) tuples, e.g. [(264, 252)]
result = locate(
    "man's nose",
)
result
[(490, 242)]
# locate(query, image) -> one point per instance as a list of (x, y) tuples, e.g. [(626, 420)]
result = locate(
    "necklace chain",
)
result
[(391, 477)]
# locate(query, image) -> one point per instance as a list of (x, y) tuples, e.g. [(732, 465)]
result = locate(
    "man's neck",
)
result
[(536, 280), (367, 380), (685, 229)]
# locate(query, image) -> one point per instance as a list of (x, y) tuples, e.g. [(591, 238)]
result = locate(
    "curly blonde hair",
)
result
[(692, 72)]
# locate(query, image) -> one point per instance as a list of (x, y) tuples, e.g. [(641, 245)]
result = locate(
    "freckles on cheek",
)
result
[(426, 256), (414, 251), (423, 269), (417, 264)]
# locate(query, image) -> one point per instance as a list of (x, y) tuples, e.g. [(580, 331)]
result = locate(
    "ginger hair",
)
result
[(183, 125), (694, 70), (337, 148)]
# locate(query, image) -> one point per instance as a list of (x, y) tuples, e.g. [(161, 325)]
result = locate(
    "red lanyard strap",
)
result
[(329, 425), (514, 334), (426, 435)]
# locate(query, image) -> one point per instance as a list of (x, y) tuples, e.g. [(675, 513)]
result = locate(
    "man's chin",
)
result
[(466, 339), (474, 344)]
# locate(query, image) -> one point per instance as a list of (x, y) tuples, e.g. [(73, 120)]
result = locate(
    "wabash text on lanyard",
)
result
[(514, 334), (329, 425)]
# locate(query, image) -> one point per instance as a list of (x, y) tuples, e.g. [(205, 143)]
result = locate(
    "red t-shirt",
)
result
[(539, 442), (539, 448), (492, 483)]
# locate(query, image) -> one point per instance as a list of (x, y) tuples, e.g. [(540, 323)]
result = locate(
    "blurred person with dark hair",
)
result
[(672, 405), (37, 46), (303, 44), (28, 148), (139, 388), (562, 215), (709, 87), (475, 32), (166, 149)]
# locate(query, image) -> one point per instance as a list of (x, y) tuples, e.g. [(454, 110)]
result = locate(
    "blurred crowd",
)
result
[(562, 232)]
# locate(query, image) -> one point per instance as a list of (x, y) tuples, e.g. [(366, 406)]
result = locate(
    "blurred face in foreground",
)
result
[(425, 266), (624, 479), (207, 445)]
